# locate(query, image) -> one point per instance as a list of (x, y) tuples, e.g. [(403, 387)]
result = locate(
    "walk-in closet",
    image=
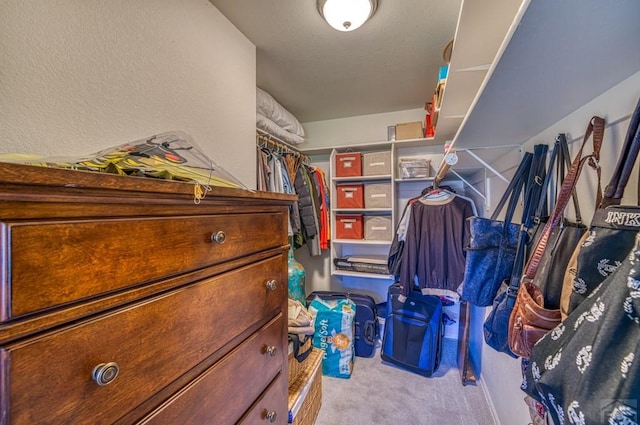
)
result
[(267, 212)]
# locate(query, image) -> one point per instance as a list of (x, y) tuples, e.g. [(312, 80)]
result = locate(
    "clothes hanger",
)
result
[(446, 187), (437, 195)]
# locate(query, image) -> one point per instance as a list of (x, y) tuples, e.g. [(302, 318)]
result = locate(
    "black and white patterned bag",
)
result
[(587, 369), (613, 229)]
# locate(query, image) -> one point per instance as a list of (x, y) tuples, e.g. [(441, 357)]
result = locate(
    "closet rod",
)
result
[(265, 139)]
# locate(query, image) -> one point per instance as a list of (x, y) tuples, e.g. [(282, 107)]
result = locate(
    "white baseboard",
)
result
[(492, 408)]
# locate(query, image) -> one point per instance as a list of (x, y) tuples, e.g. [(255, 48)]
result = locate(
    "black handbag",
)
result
[(564, 238), (613, 229)]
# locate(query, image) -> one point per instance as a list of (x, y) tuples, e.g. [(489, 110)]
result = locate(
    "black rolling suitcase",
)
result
[(366, 320), (413, 332)]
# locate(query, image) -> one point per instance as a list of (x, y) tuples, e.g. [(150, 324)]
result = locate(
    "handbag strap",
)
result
[(295, 338), (596, 127), (513, 190), (543, 202), (535, 185), (559, 159), (615, 189), (535, 191), (565, 161), (518, 264)]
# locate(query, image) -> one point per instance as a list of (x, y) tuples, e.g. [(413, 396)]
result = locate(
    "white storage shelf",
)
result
[(360, 247), (413, 180), (362, 210), (360, 242), (359, 274), (423, 148), (362, 179)]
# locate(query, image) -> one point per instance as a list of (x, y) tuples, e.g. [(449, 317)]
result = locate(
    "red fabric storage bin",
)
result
[(349, 227), (350, 196), (348, 164)]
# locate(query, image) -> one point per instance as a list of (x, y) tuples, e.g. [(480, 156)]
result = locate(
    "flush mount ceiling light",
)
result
[(347, 15)]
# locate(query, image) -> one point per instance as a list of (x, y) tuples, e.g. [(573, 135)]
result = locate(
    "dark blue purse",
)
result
[(491, 252), (496, 326)]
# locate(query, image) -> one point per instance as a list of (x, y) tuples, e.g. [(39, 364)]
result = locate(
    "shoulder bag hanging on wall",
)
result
[(492, 243), (587, 370), (563, 239), (496, 326), (531, 318), (611, 235)]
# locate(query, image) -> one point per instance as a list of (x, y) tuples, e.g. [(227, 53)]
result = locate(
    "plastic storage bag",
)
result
[(172, 156)]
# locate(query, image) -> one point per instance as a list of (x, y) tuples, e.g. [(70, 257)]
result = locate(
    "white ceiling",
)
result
[(389, 64)]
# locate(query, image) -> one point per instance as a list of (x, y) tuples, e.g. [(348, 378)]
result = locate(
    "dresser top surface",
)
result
[(17, 177)]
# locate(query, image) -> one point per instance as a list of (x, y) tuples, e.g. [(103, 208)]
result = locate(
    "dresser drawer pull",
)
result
[(272, 284), (271, 416), (270, 350), (105, 373), (218, 237)]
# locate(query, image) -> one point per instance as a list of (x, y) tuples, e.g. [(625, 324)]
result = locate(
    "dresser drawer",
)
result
[(153, 343), (245, 372), (54, 263), (262, 412)]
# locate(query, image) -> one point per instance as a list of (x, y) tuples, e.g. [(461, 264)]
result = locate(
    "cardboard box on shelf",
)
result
[(409, 130)]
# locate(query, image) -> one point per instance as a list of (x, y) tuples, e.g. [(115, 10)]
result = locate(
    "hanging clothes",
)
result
[(284, 170), (307, 200), (436, 234), (323, 193), (396, 250)]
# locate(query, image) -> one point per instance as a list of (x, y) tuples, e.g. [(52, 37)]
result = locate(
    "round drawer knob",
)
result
[(272, 284), (271, 350), (105, 373), (218, 237), (271, 416)]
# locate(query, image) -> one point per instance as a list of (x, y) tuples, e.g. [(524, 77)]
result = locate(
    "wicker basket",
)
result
[(305, 394), (295, 367)]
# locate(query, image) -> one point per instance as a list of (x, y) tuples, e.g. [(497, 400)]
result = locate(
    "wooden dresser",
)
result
[(123, 301)]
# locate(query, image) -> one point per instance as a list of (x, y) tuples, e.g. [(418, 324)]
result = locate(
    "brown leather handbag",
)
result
[(530, 319)]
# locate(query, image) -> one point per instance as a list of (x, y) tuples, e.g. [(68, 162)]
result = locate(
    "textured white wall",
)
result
[(77, 76), (356, 130)]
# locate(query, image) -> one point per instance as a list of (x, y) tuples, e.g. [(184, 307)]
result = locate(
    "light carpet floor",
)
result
[(378, 393)]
